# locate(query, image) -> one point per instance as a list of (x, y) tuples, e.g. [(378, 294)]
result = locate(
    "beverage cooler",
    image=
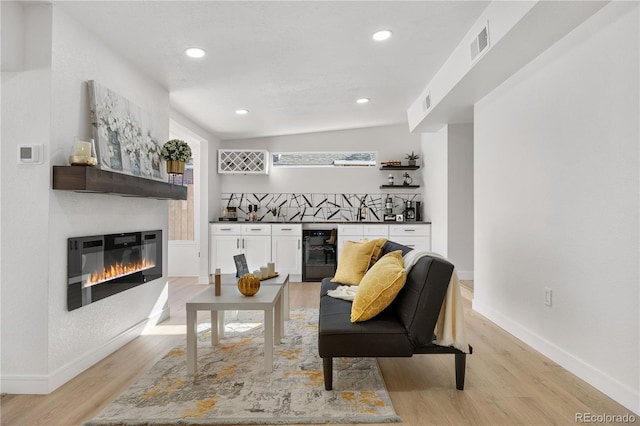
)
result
[(319, 254)]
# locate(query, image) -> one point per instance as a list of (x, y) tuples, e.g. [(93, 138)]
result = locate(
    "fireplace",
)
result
[(100, 266)]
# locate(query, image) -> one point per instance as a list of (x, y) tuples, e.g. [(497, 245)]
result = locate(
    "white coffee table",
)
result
[(269, 299), (280, 280)]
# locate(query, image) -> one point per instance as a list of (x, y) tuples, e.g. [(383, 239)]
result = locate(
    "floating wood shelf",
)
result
[(399, 167), (399, 186), (90, 179)]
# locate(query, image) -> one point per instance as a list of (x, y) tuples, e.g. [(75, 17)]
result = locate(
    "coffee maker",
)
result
[(388, 209), (409, 211)]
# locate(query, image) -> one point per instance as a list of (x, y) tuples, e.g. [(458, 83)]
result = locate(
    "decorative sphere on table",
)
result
[(248, 284)]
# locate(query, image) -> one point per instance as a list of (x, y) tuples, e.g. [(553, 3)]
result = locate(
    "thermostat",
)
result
[(30, 154)]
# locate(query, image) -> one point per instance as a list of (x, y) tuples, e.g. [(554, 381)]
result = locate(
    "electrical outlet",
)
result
[(548, 293)]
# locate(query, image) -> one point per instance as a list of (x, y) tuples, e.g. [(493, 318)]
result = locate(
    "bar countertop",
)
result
[(241, 222)]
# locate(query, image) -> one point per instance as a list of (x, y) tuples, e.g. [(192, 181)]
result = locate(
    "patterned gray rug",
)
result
[(232, 387)]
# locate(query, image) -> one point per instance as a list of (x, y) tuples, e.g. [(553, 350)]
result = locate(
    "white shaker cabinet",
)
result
[(228, 240), (373, 231), (224, 243), (349, 232), (359, 231), (416, 236), (286, 248), (256, 245)]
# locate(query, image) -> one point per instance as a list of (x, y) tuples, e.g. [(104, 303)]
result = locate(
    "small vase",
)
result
[(175, 167), (248, 285)]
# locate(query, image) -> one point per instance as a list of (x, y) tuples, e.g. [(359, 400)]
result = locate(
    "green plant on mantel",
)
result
[(176, 150)]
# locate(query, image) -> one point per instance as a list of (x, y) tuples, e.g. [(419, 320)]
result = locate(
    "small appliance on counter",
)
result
[(409, 212), (229, 214), (388, 210)]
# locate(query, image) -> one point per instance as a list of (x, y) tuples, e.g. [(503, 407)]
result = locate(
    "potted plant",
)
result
[(412, 158), (177, 152)]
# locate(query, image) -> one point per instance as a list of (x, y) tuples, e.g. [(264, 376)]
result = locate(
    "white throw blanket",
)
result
[(344, 292), (450, 329)]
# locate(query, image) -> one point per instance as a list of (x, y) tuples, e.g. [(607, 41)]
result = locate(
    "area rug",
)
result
[(231, 386)]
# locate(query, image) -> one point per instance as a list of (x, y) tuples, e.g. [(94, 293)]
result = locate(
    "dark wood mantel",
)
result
[(90, 179)]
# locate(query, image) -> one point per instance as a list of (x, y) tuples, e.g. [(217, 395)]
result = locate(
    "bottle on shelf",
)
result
[(390, 179)]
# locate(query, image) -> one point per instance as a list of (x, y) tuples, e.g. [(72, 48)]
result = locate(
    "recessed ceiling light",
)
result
[(242, 111), (362, 100), (382, 35), (194, 52)]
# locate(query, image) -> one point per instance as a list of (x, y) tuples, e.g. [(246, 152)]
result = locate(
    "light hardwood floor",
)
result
[(507, 382)]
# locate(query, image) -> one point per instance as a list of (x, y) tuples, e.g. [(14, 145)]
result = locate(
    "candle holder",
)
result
[(83, 153)]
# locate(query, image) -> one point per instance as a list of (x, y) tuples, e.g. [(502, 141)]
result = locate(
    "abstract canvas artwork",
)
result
[(124, 138)]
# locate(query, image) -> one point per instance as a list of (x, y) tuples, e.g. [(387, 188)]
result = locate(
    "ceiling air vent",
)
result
[(426, 104), (480, 43)]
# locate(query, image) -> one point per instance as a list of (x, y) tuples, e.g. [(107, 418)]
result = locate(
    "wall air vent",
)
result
[(480, 43), (426, 104)]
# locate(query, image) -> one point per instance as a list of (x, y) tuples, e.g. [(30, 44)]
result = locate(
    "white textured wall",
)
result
[(448, 193), (556, 203), (436, 187), (26, 118), (460, 206), (13, 36), (77, 57), (44, 344), (390, 142)]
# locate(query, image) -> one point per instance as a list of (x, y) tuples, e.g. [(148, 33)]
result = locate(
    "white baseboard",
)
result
[(25, 384), (621, 393), (44, 384), (465, 275)]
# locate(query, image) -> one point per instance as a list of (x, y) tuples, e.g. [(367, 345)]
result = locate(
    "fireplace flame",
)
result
[(118, 270)]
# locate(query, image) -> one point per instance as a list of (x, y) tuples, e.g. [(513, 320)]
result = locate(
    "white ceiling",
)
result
[(298, 66)]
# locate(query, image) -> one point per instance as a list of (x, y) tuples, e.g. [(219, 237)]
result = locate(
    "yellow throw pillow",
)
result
[(379, 287), (354, 260), (377, 250)]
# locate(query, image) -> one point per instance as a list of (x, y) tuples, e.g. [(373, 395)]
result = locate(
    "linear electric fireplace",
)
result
[(103, 265)]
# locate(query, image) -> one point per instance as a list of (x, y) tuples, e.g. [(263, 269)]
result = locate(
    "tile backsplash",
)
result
[(307, 207)]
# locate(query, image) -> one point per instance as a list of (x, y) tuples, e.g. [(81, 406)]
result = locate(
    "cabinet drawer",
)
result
[(415, 242), (256, 229), (409, 230), (375, 230), (292, 230), (225, 229), (350, 230), (375, 237)]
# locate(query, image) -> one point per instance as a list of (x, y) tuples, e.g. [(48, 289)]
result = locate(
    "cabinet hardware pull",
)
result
[(409, 230), (237, 243), (243, 244), (225, 229), (286, 229), (255, 229), (411, 245), (298, 243)]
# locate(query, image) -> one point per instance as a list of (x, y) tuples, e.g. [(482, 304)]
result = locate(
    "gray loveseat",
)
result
[(403, 329)]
